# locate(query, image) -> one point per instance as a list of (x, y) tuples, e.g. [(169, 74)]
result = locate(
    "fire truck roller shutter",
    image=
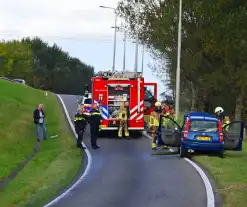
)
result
[(134, 112), (104, 112)]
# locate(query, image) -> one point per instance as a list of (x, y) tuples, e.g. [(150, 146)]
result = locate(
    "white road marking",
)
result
[(66, 193), (208, 186)]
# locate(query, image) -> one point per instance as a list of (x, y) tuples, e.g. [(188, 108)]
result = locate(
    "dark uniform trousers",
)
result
[(80, 121), (95, 117)]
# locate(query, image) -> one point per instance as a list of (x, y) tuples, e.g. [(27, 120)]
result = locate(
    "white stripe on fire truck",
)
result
[(136, 114), (135, 108), (140, 117)]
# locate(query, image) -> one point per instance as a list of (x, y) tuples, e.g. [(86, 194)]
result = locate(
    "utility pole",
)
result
[(178, 61), (115, 43), (125, 36), (143, 50), (115, 35), (137, 35)]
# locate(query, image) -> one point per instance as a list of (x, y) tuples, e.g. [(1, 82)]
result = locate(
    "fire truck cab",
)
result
[(110, 90)]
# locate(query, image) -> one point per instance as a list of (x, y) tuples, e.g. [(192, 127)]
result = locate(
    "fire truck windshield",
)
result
[(87, 101), (149, 101)]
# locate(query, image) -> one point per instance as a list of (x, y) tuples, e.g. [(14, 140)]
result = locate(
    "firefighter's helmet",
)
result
[(218, 110), (157, 103)]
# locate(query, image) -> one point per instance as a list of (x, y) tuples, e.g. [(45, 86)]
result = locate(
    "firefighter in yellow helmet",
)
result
[(154, 123), (123, 125), (225, 120)]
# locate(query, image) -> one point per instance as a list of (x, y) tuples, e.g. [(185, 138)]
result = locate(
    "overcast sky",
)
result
[(80, 27)]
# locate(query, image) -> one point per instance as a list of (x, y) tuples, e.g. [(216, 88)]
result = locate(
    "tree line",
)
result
[(44, 67), (213, 53)]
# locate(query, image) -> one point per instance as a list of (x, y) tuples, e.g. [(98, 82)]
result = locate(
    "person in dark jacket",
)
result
[(94, 119), (126, 104), (39, 120), (80, 121)]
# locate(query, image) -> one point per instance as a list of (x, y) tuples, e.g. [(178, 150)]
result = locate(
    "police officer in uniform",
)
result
[(80, 121), (95, 117)]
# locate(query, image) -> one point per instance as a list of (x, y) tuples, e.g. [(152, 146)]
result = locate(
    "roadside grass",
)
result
[(17, 137), (230, 174), (56, 163)]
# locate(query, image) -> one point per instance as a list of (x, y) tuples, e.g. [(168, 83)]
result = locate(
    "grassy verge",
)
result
[(57, 161), (230, 174)]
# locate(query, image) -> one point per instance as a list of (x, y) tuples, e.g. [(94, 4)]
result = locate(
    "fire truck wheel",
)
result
[(135, 134)]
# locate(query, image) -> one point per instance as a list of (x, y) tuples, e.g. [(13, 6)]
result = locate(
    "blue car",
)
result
[(201, 132)]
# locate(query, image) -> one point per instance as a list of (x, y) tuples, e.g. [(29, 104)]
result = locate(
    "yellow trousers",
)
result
[(123, 126)]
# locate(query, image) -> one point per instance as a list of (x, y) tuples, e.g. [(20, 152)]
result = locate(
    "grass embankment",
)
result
[(57, 161), (229, 173)]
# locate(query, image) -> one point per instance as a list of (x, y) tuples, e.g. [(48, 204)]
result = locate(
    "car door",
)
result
[(170, 132), (233, 135)]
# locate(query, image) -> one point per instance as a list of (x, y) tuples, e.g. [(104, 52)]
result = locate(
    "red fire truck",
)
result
[(111, 89)]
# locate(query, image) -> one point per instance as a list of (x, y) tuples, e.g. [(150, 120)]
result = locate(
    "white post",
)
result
[(143, 57), (178, 60), (115, 39), (125, 36), (137, 36)]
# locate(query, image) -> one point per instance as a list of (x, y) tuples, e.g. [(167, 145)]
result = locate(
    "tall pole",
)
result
[(178, 60), (125, 36), (137, 36), (115, 39), (143, 58)]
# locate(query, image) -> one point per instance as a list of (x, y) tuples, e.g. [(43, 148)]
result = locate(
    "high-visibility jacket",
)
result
[(154, 119), (225, 122), (123, 115)]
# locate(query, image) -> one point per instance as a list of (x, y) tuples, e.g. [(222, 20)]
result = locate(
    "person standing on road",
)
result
[(154, 123), (39, 120), (80, 121), (95, 117), (127, 107), (123, 125)]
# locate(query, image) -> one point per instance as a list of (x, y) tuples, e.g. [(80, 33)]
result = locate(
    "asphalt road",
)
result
[(124, 173)]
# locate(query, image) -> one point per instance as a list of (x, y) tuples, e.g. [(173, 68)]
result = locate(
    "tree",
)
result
[(213, 46), (43, 66)]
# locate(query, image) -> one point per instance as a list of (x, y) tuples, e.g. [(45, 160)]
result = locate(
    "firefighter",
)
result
[(94, 119), (172, 111), (80, 121), (123, 117), (225, 120), (165, 108), (154, 123)]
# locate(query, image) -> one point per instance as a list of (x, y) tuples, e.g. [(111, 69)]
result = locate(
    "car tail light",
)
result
[(220, 131), (187, 127)]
